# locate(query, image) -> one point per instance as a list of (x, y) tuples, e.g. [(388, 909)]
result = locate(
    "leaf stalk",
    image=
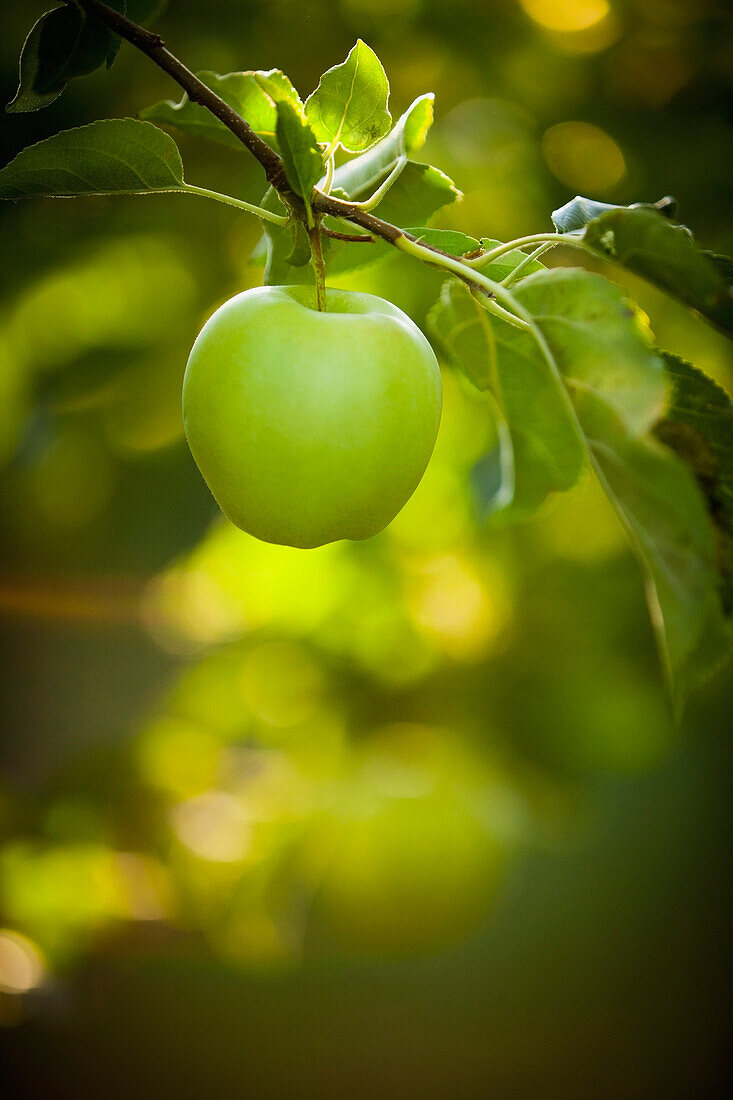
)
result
[(229, 200)]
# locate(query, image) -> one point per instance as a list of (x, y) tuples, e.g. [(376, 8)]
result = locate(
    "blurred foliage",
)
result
[(415, 804)]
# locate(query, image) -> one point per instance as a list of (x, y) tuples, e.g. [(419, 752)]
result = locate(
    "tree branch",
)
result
[(153, 45)]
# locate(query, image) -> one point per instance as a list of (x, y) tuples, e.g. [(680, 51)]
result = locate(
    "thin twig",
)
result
[(154, 46), (229, 200), (356, 238)]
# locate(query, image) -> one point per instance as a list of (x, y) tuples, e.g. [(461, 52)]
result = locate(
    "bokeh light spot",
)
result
[(214, 826), (21, 963), (145, 886), (583, 156), (448, 600), (566, 15)]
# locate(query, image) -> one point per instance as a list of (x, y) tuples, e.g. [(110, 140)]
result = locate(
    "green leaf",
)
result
[(300, 152), (420, 191), (599, 343), (64, 43), (617, 383), (546, 454), (245, 92), (300, 249), (447, 240), (614, 379), (415, 197), (349, 106), (417, 194), (277, 88), (577, 213), (645, 243), (656, 496), (698, 426), (112, 156), (283, 250), (358, 177)]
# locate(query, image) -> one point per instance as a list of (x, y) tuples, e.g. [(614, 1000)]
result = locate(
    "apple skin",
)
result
[(311, 426)]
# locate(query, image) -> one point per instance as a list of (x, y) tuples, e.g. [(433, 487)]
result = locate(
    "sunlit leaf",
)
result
[(349, 106), (417, 194), (547, 455), (300, 152), (647, 244), (65, 43), (245, 92), (598, 342), (278, 88), (361, 175), (113, 156)]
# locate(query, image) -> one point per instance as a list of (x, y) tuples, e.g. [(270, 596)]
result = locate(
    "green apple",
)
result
[(311, 426)]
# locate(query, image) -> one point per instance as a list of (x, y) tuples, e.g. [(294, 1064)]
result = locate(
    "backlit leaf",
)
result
[(349, 106), (419, 192), (300, 152), (360, 175), (618, 391), (112, 156), (245, 92)]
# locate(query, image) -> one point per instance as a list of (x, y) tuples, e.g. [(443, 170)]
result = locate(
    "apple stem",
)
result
[(319, 268)]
